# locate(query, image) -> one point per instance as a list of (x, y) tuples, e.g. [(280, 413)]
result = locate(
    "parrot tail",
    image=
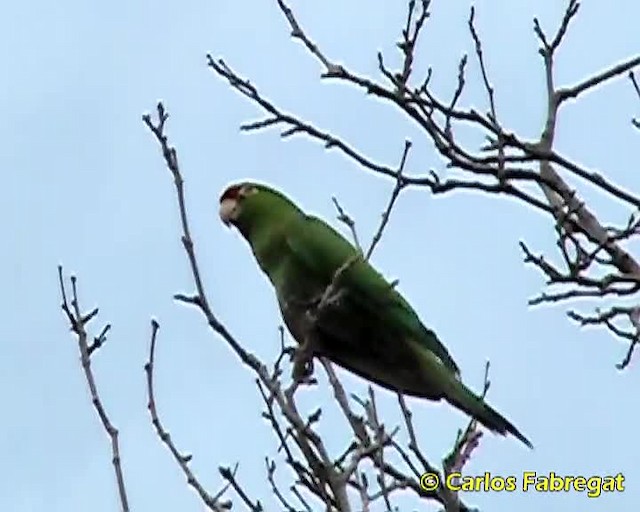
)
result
[(467, 401)]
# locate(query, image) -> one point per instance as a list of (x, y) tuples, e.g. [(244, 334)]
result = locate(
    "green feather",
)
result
[(323, 251)]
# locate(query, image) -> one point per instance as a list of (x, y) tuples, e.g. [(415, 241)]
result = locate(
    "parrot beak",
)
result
[(227, 211)]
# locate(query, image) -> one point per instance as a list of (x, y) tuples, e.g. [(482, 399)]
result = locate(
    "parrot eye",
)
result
[(247, 190)]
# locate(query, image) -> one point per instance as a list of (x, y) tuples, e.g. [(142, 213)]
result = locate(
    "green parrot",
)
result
[(366, 326)]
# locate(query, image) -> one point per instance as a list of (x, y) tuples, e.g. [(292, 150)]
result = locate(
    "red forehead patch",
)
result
[(231, 193)]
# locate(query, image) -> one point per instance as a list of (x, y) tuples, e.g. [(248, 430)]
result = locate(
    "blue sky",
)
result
[(85, 186)]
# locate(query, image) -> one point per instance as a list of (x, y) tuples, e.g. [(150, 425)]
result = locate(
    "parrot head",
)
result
[(233, 201), (250, 205)]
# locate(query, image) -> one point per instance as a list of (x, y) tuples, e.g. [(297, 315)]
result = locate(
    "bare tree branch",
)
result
[(607, 317), (213, 503), (78, 322), (636, 87), (400, 184)]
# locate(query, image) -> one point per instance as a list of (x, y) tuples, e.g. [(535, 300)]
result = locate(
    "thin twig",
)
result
[(212, 502), (400, 184), (78, 322)]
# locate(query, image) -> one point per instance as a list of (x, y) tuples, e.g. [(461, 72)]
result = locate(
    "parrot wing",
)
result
[(321, 251)]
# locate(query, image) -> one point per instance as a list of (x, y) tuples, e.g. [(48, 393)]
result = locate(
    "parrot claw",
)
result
[(303, 364), (302, 368)]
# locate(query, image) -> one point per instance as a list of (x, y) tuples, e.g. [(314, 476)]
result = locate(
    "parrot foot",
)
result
[(303, 364)]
